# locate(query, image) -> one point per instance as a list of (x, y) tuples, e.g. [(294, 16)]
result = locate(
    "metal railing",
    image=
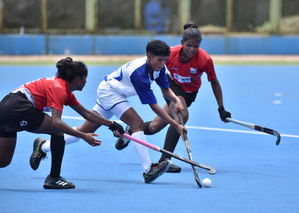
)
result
[(148, 16)]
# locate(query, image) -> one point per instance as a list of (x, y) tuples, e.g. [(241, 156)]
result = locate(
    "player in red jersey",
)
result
[(23, 108), (186, 64)]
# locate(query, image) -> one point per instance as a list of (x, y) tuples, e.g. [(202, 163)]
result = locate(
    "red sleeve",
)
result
[(209, 69), (72, 100), (56, 98)]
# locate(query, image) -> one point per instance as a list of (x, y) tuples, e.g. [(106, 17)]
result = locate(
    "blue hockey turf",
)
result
[(253, 174)]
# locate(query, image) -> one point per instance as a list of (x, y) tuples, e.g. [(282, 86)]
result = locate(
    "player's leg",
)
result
[(131, 118), (151, 171), (149, 128), (41, 146), (156, 125), (172, 135), (92, 127), (8, 140), (7, 148), (54, 180), (87, 127), (11, 113)]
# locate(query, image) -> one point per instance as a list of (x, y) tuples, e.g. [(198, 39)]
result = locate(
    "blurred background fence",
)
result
[(148, 16)]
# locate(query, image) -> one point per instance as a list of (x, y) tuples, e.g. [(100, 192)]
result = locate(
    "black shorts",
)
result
[(18, 114), (178, 91)]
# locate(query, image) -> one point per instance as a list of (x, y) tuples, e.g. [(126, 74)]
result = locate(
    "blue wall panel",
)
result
[(15, 44), (121, 44), (70, 44), (284, 44)]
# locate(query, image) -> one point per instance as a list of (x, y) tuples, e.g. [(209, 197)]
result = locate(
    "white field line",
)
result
[(203, 128)]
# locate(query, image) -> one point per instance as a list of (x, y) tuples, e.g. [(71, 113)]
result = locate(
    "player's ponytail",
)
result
[(191, 32), (190, 24), (69, 69)]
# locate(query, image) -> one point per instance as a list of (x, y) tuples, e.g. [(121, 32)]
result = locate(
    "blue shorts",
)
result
[(18, 114)]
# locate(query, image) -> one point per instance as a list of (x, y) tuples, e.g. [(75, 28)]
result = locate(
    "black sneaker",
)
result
[(57, 183), (123, 142), (174, 169), (156, 170), (37, 154)]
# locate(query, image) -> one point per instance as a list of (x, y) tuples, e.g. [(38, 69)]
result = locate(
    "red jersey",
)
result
[(188, 75), (51, 92)]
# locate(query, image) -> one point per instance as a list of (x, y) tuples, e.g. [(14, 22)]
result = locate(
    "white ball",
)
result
[(206, 182)]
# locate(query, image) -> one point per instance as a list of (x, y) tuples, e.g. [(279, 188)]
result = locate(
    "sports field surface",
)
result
[(253, 173), (120, 59)]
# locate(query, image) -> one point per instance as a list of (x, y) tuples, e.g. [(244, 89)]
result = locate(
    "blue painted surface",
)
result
[(14, 44), (253, 174)]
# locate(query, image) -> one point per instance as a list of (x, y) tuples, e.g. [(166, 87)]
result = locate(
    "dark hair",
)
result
[(157, 47), (190, 24), (191, 31), (69, 69)]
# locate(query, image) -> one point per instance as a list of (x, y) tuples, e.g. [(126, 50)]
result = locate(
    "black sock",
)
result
[(146, 128), (171, 140), (57, 151)]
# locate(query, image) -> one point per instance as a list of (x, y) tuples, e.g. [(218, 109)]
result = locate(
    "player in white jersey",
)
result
[(133, 78)]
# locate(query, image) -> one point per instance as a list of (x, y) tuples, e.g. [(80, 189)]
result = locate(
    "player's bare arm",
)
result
[(169, 94), (164, 116), (94, 117), (217, 91), (218, 95), (91, 116), (63, 127)]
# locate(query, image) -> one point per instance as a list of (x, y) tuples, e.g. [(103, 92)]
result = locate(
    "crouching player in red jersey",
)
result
[(23, 108)]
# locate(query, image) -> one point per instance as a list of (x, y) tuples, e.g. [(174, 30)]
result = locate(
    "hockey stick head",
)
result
[(268, 131), (212, 171), (197, 180), (257, 127), (278, 138)]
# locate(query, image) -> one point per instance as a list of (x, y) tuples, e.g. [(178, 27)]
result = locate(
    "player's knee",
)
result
[(57, 133), (138, 126), (4, 162), (154, 128), (185, 118)]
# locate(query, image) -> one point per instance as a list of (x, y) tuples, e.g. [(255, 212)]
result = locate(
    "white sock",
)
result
[(68, 140), (142, 151)]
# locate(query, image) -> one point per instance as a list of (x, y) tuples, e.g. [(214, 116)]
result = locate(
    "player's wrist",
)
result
[(221, 109)]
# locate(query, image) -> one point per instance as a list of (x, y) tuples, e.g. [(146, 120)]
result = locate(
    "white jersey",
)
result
[(130, 79)]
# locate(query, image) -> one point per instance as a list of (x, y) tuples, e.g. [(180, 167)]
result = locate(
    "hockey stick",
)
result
[(189, 151), (257, 127), (203, 166)]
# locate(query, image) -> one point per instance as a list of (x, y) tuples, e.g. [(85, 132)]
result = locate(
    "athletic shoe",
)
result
[(37, 154), (123, 142), (57, 183), (156, 170), (174, 169)]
